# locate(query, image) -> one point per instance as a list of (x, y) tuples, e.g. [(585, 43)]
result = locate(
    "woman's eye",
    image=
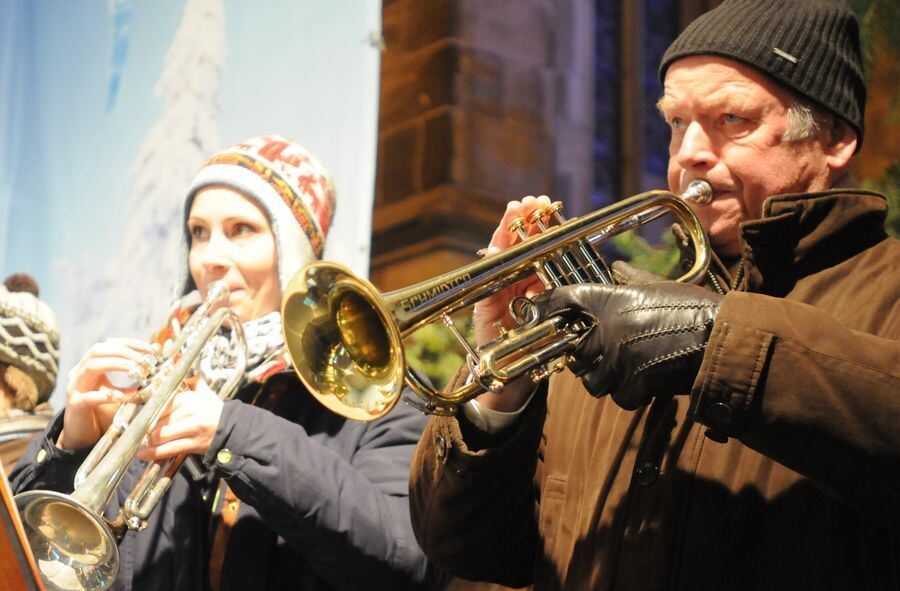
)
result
[(198, 232), (242, 229)]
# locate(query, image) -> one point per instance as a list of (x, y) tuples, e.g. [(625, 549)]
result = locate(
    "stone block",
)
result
[(528, 92), (520, 31), (437, 150), (430, 21), (480, 81), (396, 158), (503, 157), (423, 81)]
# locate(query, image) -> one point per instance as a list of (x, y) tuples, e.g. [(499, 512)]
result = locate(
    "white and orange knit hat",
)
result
[(287, 182)]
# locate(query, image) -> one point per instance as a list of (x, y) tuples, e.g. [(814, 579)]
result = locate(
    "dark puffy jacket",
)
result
[(323, 500)]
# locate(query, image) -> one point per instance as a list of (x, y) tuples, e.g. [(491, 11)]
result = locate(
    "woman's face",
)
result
[(231, 240)]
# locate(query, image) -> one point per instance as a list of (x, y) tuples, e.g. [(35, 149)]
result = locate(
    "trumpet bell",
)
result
[(74, 548), (343, 340)]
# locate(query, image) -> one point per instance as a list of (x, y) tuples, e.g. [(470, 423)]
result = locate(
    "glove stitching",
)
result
[(570, 309), (669, 357), (659, 332), (694, 306)]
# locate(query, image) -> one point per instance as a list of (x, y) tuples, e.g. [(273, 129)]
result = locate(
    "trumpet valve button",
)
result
[(537, 215), (516, 224)]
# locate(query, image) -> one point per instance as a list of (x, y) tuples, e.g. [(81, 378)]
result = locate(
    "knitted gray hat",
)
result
[(29, 333), (810, 46), (287, 182)]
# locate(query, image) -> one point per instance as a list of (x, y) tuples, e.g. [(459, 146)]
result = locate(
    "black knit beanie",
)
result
[(809, 46)]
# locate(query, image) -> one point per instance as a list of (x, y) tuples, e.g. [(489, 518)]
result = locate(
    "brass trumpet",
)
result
[(346, 340), (74, 545)]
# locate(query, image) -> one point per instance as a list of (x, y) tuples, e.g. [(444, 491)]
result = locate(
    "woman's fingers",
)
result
[(166, 431), (93, 398), (87, 416), (112, 355), (167, 450), (187, 426), (132, 349)]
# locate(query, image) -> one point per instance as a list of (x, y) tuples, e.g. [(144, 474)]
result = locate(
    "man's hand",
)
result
[(493, 311), (647, 340)]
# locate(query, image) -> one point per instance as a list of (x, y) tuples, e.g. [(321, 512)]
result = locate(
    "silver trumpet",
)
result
[(346, 340), (74, 545)]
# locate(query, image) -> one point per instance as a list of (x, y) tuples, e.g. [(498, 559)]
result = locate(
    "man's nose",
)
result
[(696, 148)]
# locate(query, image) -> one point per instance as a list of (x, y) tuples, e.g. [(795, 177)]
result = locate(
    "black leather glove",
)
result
[(625, 274), (647, 340)]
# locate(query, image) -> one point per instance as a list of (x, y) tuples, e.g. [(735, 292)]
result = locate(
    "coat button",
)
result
[(41, 456), (646, 473), (223, 456), (440, 445), (719, 415)]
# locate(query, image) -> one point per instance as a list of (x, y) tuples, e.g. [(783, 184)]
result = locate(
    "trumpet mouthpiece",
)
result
[(217, 291), (698, 191)]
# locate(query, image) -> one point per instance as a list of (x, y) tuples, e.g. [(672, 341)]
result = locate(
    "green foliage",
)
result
[(435, 352), (879, 28), (877, 18), (661, 260), (889, 184)]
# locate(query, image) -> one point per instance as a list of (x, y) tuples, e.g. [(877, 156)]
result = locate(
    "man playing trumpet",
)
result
[(742, 436)]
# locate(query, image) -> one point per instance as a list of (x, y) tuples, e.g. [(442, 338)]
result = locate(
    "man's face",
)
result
[(727, 122)]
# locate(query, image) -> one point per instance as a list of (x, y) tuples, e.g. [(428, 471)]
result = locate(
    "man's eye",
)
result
[(677, 123), (731, 118)]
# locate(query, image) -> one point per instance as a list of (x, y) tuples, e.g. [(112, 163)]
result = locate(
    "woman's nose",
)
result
[(214, 254)]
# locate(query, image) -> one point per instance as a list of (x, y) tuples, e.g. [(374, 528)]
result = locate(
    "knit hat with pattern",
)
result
[(287, 182), (810, 46), (29, 333)]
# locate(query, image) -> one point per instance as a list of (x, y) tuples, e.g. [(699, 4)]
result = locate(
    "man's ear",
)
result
[(841, 147)]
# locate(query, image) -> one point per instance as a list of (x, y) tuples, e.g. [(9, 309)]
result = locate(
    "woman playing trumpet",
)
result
[(295, 496)]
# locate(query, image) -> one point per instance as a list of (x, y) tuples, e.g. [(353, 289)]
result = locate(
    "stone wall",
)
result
[(481, 102)]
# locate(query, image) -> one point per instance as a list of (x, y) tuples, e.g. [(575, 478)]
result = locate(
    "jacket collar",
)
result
[(801, 234)]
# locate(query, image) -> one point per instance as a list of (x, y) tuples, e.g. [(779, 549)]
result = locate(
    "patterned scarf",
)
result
[(265, 352), (266, 355)]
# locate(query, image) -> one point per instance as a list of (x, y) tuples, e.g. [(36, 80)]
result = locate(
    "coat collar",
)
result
[(801, 234)]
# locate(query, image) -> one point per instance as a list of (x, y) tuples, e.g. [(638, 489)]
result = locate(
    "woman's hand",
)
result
[(188, 426), (492, 311), (92, 400)]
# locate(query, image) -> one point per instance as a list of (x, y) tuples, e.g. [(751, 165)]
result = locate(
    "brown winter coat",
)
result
[(804, 495)]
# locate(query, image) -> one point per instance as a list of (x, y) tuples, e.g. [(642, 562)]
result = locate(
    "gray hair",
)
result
[(804, 121)]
